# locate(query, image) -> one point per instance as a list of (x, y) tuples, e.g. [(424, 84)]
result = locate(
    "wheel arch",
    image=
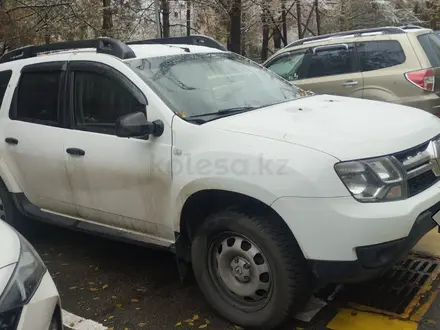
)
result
[(199, 205)]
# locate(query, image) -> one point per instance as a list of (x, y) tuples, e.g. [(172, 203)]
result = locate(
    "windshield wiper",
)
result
[(222, 112)]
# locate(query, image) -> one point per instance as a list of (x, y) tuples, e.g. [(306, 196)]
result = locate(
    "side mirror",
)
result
[(136, 125)]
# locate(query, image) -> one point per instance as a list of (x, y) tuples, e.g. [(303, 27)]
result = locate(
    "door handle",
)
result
[(11, 140), (75, 151), (350, 83)]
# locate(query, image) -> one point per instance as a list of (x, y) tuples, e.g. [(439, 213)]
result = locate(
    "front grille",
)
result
[(419, 163), (9, 320), (421, 182)]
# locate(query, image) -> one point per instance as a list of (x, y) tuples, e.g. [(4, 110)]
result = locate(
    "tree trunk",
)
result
[(318, 19), (298, 17), (235, 27), (107, 18), (243, 34), (165, 18), (265, 43), (283, 19), (188, 17)]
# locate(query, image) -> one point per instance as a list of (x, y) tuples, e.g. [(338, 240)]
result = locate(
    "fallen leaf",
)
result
[(195, 317), (188, 320), (142, 324), (203, 326), (119, 305), (207, 321), (93, 289), (105, 286), (91, 283), (96, 298), (134, 300), (72, 324), (190, 323), (125, 328), (73, 287), (110, 317), (97, 268), (178, 324), (138, 308)]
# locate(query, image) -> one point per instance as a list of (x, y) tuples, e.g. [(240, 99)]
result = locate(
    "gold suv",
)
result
[(392, 64)]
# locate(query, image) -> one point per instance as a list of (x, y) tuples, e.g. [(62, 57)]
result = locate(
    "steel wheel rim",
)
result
[(240, 271)]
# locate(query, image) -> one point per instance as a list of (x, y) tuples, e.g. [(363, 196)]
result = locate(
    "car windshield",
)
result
[(210, 83)]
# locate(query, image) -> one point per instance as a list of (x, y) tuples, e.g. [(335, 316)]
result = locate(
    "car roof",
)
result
[(153, 50), (110, 47), (349, 36)]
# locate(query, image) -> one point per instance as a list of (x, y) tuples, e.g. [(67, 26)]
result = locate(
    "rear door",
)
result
[(382, 64), (32, 141)]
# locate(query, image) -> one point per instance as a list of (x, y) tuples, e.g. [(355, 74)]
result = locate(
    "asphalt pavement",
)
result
[(120, 285), (127, 287)]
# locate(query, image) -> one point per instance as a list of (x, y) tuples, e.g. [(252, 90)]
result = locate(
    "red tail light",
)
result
[(424, 79)]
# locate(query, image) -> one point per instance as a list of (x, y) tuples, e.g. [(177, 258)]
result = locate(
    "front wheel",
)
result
[(250, 269)]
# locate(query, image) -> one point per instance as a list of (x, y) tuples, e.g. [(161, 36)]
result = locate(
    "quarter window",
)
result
[(375, 55)]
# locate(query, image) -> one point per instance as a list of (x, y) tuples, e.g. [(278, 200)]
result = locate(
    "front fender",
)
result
[(224, 184)]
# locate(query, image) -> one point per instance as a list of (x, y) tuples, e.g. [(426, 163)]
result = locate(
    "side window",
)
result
[(375, 55), (5, 76), (431, 45), (99, 100), (289, 66), (330, 62), (37, 97)]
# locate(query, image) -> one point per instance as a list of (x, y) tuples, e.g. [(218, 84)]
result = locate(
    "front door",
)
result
[(330, 69), (119, 182)]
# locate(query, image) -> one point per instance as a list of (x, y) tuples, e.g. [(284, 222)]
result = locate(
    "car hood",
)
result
[(346, 128), (9, 245)]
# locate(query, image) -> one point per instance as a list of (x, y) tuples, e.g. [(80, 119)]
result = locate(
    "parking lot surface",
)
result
[(123, 286)]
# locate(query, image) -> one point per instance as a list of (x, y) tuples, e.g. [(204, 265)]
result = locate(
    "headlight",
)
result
[(25, 280), (373, 180)]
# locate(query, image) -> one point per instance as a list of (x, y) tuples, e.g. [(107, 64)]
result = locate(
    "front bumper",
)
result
[(374, 260), (345, 240), (44, 305)]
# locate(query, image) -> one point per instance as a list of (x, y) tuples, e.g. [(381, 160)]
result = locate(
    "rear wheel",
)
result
[(250, 269)]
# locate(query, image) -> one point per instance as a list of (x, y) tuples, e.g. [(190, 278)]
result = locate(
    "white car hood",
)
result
[(346, 128), (9, 245)]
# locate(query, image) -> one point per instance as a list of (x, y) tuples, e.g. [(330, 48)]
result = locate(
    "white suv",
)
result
[(205, 153)]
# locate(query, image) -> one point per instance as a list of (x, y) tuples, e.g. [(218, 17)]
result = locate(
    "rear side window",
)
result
[(431, 45), (5, 76), (330, 62), (375, 55), (37, 98)]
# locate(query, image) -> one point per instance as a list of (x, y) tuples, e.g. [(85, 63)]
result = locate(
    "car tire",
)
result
[(10, 213), (250, 269)]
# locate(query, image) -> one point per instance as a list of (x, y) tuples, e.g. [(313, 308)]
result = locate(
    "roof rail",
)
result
[(201, 40), (103, 45), (355, 33), (411, 27)]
